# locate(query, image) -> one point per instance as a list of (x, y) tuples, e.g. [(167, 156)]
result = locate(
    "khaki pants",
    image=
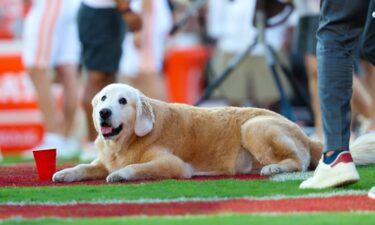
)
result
[(251, 80)]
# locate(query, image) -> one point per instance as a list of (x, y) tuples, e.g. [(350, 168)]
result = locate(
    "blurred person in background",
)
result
[(369, 83), (144, 50), (50, 41), (231, 24), (308, 12), (102, 26), (11, 19)]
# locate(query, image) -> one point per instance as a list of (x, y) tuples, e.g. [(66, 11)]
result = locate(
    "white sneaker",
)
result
[(340, 172), (66, 148), (371, 193), (89, 153), (72, 149)]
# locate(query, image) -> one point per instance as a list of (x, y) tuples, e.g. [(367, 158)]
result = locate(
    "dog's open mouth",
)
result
[(108, 131)]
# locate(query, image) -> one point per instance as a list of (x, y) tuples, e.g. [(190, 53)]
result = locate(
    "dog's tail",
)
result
[(362, 150)]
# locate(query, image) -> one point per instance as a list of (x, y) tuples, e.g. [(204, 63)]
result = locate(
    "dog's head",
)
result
[(120, 110)]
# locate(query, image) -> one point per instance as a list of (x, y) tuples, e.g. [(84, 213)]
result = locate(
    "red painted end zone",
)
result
[(26, 175), (330, 204)]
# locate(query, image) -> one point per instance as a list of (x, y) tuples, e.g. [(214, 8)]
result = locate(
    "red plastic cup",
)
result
[(45, 160)]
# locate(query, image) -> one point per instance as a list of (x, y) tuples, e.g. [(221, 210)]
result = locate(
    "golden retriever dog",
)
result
[(142, 138)]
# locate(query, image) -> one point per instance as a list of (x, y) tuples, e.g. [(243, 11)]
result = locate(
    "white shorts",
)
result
[(50, 36), (156, 32)]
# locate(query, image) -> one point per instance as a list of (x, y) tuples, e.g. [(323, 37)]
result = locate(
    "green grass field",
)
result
[(172, 189), (184, 190), (232, 219)]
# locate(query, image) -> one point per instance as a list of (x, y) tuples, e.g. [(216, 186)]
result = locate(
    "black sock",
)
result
[(329, 159)]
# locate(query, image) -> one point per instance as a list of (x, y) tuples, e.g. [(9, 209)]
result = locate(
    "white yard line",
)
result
[(194, 199), (291, 176)]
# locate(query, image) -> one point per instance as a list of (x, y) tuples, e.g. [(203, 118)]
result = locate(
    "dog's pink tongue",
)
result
[(106, 130)]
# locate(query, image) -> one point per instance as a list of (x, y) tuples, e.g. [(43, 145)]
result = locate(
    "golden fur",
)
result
[(165, 140)]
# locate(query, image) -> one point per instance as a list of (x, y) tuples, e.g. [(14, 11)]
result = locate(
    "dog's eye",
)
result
[(122, 101), (103, 98)]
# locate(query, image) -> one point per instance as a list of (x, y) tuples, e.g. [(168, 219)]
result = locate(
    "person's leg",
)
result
[(67, 54), (368, 52), (361, 100), (45, 98), (36, 55), (337, 38), (53, 137), (69, 76), (341, 23), (368, 48), (370, 82), (40, 53), (151, 42)]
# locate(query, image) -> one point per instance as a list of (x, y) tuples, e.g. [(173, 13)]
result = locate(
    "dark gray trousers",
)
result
[(341, 24)]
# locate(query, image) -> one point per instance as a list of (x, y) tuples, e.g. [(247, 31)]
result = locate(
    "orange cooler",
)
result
[(184, 70)]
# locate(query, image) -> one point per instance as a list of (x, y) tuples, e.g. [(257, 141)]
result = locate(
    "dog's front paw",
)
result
[(114, 177), (126, 173), (271, 169), (66, 175)]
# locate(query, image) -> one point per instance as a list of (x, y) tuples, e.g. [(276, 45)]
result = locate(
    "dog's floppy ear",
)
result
[(95, 100), (144, 121)]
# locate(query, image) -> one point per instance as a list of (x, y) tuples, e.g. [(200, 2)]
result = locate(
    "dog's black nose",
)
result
[(105, 113)]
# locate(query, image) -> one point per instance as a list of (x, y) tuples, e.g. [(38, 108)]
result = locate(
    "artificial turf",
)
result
[(172, 189), (13, 160), (357, 218)]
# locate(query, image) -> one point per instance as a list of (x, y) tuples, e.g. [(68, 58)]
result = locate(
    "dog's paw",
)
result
[(66, 175), (126, 173), (114, 177), (271, 169)]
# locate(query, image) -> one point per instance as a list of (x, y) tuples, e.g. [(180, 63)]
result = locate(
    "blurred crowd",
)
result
[(84, 45)]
